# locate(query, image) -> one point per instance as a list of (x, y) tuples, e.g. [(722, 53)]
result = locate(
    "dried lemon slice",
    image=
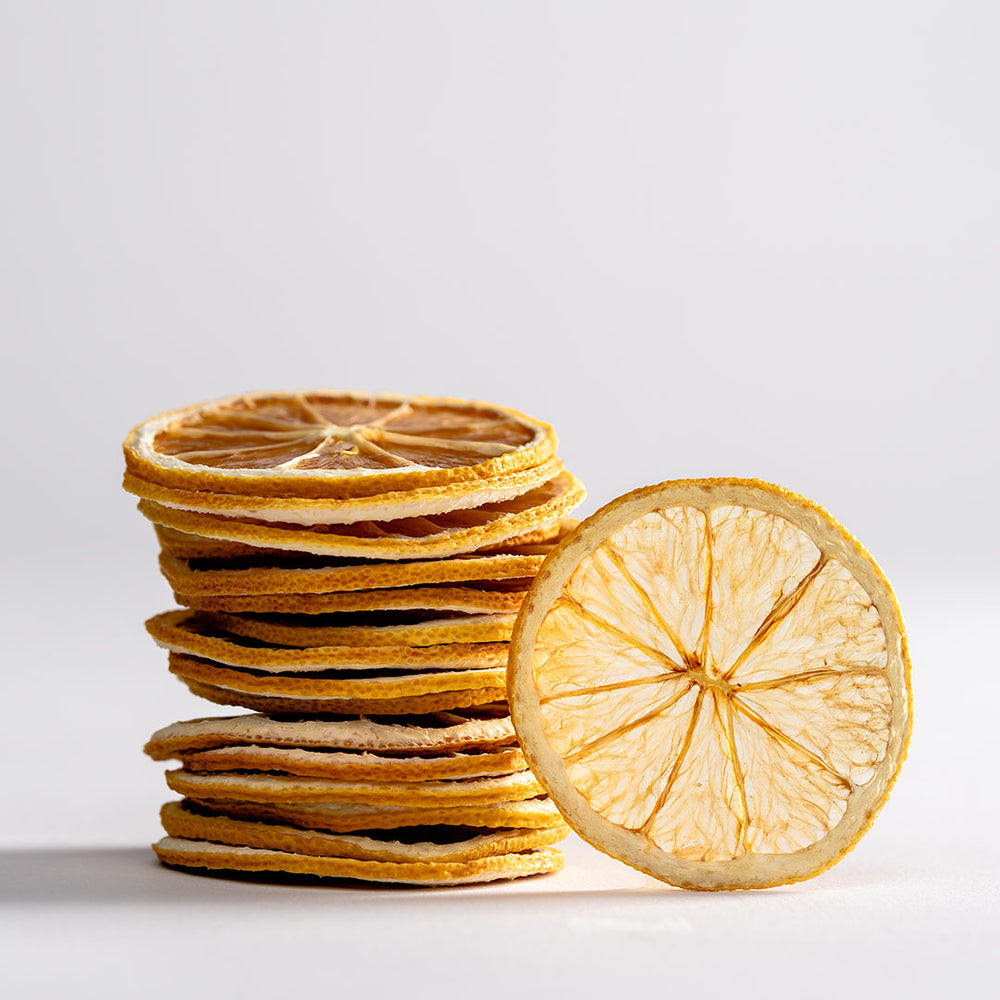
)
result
[(479, 597), (333, 444), (282, 789), (433, 734), (204, 854), (534, 515), (184, 819), (192, 633), (711, 678), (353, 573), (381, 507), (354, 766), (373, 628), (302, 574), (346, 817), (234, 694), (370, 685)]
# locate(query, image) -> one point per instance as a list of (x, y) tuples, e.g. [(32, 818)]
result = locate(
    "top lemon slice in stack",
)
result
[(437, 453)]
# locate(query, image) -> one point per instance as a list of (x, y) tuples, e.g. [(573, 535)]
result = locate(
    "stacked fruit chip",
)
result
[(350, 569)]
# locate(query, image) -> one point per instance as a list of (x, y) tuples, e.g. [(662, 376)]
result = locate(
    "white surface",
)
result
[(110, 923), (699, 238), (913, 911)]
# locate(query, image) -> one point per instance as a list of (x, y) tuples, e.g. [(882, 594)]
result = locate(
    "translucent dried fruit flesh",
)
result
[(711, 679), (333, 444)]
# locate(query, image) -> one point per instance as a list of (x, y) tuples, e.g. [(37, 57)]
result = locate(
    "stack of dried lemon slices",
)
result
[(351, 568)]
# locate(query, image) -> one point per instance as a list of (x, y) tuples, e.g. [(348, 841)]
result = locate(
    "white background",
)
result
[(700, 238)]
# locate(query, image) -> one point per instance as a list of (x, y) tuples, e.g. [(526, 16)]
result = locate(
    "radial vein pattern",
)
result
[(299, 432), (718, 660)]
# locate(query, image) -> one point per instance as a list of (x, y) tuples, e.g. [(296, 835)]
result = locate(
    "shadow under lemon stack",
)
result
[(350, 569)]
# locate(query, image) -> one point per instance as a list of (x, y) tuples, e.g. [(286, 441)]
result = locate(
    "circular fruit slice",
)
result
[(370, 685), (282, 789), (355, 766), (231, 693), (178, 852), (381, 507), (192, 633), (333, 444), (345, 817), (261, 575), (447, 732), (369, 628), (479, 597), (533, 515), (711, 679), (183, 819), (352, 573)]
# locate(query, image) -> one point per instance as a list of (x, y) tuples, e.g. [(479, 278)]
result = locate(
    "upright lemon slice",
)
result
[(711, 679)]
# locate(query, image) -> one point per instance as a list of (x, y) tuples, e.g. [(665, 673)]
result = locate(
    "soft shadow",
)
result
[(69, 876), (55, 876), (114, 876), (58, 876)]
